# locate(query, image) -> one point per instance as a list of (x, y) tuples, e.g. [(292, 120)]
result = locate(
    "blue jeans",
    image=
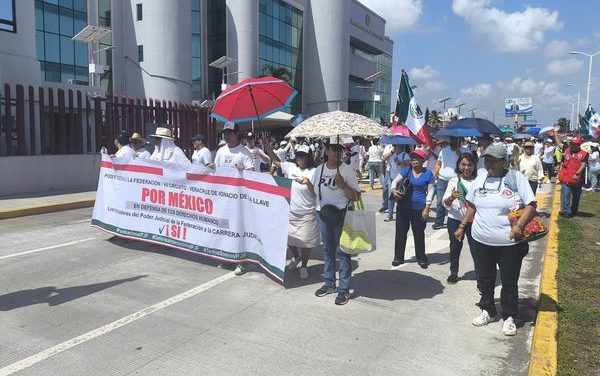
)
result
[(390, 201), (440, 210), (386, 190), (375, 171), (568, 206), (330, 236)]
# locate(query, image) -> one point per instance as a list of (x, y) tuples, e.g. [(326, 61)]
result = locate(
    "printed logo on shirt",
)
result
[(507, 193), (328, 182)]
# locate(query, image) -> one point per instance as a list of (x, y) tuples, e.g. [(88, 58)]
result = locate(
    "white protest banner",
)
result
[(228, 215)]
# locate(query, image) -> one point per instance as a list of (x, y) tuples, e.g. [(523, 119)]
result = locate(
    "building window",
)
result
[(140, 53), (61, 58), (196, 52), (8, 19), (138, 12), (280, 44)]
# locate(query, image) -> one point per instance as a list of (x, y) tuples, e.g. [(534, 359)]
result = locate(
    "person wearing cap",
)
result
[(258, 156), (138, 143), (123, 148), (202, 156), (531, 166), (510, 147), (537, 146), (445, 169), (455, 201), (335, 185), (282, 151), (594, 166), (574, 161), (413, 209), (165, 148), (303, 232), (548, 159), (495, 240)]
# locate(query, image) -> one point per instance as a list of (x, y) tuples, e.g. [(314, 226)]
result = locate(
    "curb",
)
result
[(46, 209), (543, 358)]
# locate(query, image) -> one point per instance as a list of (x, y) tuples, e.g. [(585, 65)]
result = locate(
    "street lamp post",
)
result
[(578, 97), (222, 63), (587, 99)]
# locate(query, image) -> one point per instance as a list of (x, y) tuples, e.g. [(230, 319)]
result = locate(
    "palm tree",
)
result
[(564, 123), (278, 72), (434, 119)]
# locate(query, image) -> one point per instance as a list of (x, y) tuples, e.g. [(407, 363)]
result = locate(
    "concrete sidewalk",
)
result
[(20, 206)]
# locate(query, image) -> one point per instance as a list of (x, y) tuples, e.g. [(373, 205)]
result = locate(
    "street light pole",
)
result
[(587, 99), (578, 100)]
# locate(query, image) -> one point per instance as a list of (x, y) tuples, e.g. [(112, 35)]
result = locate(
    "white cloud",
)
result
[(564, 67), (400, 15), (433, 86), (479, 90), (507, 32), (557, 48), (519, 86), (422, 74)]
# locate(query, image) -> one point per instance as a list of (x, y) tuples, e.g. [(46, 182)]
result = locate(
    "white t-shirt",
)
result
[(548, 154), (202, 157), (449, 159), (355, 157), (126, 151), (458, 209), (504, 194), (431, 158), (397, 163), (302, 201), (537, 148), (142, 153), (594, 160), (375, 153), (256, 159), (229, 157), (510, 147), (281, 153), (331, 194)]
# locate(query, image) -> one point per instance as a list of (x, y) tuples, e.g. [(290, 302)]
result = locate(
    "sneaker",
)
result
[(383, 210), (452, 279), (509, 328), (342, 298), (397, 263), (438, 226), (303, 273), (423, 264), (324, 290), (239, 270), (293, 265), (483, 319), (388, 219)]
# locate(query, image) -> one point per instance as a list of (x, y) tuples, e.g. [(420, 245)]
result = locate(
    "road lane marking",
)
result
[(47, 248), (54, 350)]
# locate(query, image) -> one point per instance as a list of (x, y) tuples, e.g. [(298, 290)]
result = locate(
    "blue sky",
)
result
[(482, 51)]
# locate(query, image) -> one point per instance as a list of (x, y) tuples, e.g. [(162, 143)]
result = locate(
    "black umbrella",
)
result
[(482, 125)]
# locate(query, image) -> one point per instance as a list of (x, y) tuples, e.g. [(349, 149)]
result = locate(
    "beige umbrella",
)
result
[(338, 123)]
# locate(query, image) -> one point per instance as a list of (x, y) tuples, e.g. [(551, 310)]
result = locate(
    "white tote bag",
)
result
[(359, 231)]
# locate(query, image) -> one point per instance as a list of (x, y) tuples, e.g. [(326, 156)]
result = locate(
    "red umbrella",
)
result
[(400, 129), (253, 99)]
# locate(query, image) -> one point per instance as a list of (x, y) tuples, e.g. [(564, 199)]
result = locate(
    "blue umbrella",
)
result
[(534, 130), (297, 119), (482, 125), (397, 140), (458, 132)]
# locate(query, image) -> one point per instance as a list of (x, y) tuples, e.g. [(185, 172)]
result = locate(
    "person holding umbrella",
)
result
[(334, 184)]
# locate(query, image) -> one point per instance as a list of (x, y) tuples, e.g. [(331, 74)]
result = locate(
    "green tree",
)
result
[(434, 119), (282, 73)]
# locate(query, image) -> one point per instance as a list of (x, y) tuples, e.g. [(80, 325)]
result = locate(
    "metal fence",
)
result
[(51, 121)]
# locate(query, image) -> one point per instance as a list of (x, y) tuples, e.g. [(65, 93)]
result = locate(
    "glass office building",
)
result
[(61, 59), (280, 44), (8, 20), (196, 52)]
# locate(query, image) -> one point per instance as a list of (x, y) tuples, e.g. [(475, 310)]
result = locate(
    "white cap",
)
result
[(230, 125), (222, 142), (303, 149), (284, 142)]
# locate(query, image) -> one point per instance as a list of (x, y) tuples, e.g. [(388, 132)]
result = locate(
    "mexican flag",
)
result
[(410, 113), (590, 123)]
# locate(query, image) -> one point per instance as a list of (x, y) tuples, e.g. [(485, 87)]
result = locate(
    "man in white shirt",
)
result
[(510, 145), (234, 155), (138, 143), (124, 150), (548, 159), (537, 146), (202, 155), (375, 163), (445, 169), (258, 156)]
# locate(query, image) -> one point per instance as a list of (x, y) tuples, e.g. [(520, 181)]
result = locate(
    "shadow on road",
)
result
[(55, 296), (395, 285)]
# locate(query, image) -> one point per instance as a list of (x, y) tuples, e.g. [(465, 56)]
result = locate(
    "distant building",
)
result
[(163, 48)]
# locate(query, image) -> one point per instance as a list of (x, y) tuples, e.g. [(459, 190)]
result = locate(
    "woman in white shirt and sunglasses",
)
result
[(496, 242)]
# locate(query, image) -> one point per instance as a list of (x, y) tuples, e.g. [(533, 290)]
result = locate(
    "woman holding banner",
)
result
[(303, 233)]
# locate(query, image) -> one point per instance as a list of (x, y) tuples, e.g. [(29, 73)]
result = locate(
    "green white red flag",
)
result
[(410, 113)]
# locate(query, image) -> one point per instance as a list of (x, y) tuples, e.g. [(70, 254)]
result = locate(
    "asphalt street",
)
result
[(75, 301)]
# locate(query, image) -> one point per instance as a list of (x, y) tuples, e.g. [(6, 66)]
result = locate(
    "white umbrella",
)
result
[(338, 123), (546, 129)]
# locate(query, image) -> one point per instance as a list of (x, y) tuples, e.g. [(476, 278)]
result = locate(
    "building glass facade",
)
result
[(105, 54), (196, 52), (280, 44), (61, 58), (8, 21), (216, 45)]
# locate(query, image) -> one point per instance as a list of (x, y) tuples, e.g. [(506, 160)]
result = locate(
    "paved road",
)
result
[(74, 301)]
